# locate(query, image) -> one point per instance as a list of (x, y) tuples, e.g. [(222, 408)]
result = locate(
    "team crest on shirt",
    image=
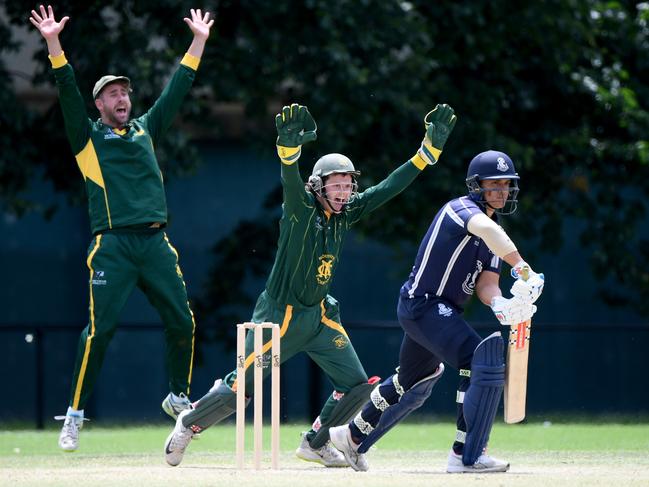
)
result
[(444, 310), (326, 263), (468, 286), (340, 341)]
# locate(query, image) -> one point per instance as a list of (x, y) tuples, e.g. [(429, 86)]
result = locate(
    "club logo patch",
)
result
[(444, 310), (501, 165), (109, 134), (318, 224), (340, 341), (468, 286), (324, 268), (98, 278)]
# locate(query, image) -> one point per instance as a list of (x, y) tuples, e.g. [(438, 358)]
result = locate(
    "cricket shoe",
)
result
[(341, 438), (72, 423), (173, 405), (326, 455), (177, 441), (484, 464)]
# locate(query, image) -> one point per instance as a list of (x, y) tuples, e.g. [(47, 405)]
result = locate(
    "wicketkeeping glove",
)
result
[(529, 284), (439, 124), (295, 126), (512, 311)]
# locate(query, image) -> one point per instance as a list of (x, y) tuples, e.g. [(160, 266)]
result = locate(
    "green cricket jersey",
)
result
[(310, 240), (123, 180)]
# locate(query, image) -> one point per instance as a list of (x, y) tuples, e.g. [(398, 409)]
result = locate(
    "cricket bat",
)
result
[(518, 349)]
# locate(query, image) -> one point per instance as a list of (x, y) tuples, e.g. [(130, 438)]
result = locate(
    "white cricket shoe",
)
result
[(72, 423), (326, 455), (173, 405), (484, 464), (177, 441), (341, 438)]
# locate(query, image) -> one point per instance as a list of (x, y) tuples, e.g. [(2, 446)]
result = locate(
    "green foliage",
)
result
[(561, 86)]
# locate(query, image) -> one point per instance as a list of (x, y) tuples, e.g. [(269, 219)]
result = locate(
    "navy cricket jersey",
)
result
[(450, 259)]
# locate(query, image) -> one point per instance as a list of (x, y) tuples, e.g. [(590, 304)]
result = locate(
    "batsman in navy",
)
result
[(316, 216), (460, 255)]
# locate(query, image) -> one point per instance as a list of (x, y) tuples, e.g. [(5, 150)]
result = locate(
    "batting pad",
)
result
[(212, 408), (483, 395)]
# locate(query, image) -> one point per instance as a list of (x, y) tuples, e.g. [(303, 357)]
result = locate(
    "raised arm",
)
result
[(162, 113), (439, 124), (200, 25), (75, 116), (295, 126), (49, 28)]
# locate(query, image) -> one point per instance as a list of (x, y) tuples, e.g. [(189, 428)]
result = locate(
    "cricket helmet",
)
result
[(493, 164), (326, 166)]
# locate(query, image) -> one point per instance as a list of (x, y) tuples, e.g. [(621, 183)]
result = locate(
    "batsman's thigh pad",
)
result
[(346, 408), (412, 399), (483, 395), (212, 408)]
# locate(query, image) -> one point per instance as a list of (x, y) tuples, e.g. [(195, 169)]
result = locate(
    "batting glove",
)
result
[(295, 126), (529, 284), (512, 311), (439, 124)]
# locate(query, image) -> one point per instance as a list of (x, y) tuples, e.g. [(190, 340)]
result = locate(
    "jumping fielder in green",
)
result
[(316, 217), (128, 213)]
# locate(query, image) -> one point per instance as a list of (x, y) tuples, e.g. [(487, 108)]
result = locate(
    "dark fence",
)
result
[(574, 369)]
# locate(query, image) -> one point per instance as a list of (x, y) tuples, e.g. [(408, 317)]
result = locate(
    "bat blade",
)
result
[(518, 349)]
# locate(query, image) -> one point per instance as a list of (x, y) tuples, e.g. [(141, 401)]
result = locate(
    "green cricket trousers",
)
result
[(119, 260)]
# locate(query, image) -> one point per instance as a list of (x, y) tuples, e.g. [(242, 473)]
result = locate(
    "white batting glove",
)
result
[(529, 284), (513, 310)]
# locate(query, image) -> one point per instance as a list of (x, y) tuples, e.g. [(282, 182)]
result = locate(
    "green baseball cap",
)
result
[(109, 78)]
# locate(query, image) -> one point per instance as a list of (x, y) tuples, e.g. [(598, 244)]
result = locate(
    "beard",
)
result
[(118, 119)]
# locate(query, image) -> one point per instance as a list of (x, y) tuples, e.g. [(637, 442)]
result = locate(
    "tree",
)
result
[(560, 85)]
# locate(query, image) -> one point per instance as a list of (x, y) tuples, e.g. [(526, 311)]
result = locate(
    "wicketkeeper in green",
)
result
[(128, 214), (315, 219)]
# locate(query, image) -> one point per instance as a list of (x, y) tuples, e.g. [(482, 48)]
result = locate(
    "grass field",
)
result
[(541, 454)]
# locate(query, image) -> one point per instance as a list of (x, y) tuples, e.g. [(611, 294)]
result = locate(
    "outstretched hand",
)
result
[(46, 23), (199, 24), (295, 126), (439, 124)]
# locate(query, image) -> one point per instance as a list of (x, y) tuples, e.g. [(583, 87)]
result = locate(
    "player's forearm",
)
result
[(197, 46), (54, 46), (487, 292), (513, 258)]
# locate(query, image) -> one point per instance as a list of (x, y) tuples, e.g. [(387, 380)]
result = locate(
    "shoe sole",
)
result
[(318, 460), (474, 470)]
